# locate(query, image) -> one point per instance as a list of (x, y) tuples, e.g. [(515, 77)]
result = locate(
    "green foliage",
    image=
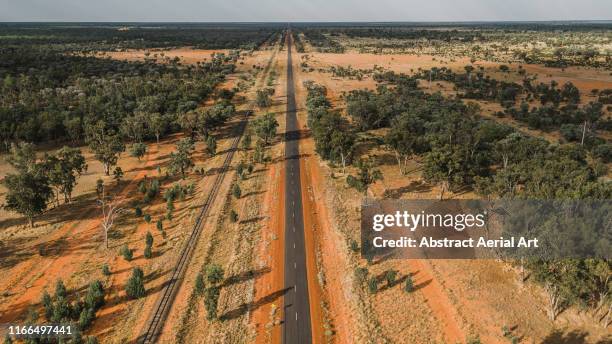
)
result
[(138, 211), (214, 273), (263, 98), (149, 239), (354, 246), (211, 145), (86, 316), (106, 270), (367, 176), (199, 284), (265, 127), (233, 216), (181, 160), (118, 174), (147, 218), (391, 276), (236, 191), (105, 143), (159, 225), (361, 274), (409, 284), (62, 169), (126, 252), (8, 339), (372, 285), (134, 287), (148, 252), (94, 298), (138, 150), (211, 300), (28, 191)]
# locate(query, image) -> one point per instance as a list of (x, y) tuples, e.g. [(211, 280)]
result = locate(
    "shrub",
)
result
[(106, 270), (372, 285), (60, 289), (8, 340), (354, 246), (199, 284), (148, 252), (473, 340), (138, 212), (147, 218), (61, 310), (210, 301), (233, 216), (409, 285), (95, 295), (149, 239), (86, 317), (126, 252), (236, 191), (134, 287), (48, 305), (160, 225), (214, 273), (361, 274), (390, 276), (142, 187), (91, 340)]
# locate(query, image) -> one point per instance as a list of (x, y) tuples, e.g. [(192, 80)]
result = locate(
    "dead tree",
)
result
[(111, 208)]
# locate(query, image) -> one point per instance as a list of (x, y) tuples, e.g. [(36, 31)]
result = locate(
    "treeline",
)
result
[(461, 151), (47, 96), (559, 108), (83, 37), (334, 137), (321, 42)]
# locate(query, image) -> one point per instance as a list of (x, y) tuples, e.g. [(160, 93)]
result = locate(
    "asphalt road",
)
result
[(296, 322)]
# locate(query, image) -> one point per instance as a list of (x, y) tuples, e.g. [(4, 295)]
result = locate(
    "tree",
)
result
[(105, 144), (372, 285), (134, 288), (443, 166), (23, 156), (210, 301), (181, 160), (138, 150), (264, 98), (157, 125), (265, 127), (406, 138), (366, 176), (199, 284), (117, 174), (214, 273), (62, 168), (211, 145), (27, 193), (111, 208), (135, 127)]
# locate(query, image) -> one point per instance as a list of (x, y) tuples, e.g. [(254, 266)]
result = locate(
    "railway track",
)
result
[(155, 324)]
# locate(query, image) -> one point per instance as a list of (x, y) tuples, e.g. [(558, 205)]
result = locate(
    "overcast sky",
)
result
[(303, 10)]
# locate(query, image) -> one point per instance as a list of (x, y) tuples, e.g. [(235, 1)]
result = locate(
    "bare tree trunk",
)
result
[(442, 191), (554, 301), (583, 133)]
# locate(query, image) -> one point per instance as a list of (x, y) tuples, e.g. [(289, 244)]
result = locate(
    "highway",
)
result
[(296, 323)]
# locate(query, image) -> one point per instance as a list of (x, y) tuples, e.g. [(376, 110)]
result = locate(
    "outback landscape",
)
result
[(202, 183)]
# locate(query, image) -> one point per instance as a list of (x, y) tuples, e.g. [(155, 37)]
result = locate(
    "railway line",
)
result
[(155, 323)]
